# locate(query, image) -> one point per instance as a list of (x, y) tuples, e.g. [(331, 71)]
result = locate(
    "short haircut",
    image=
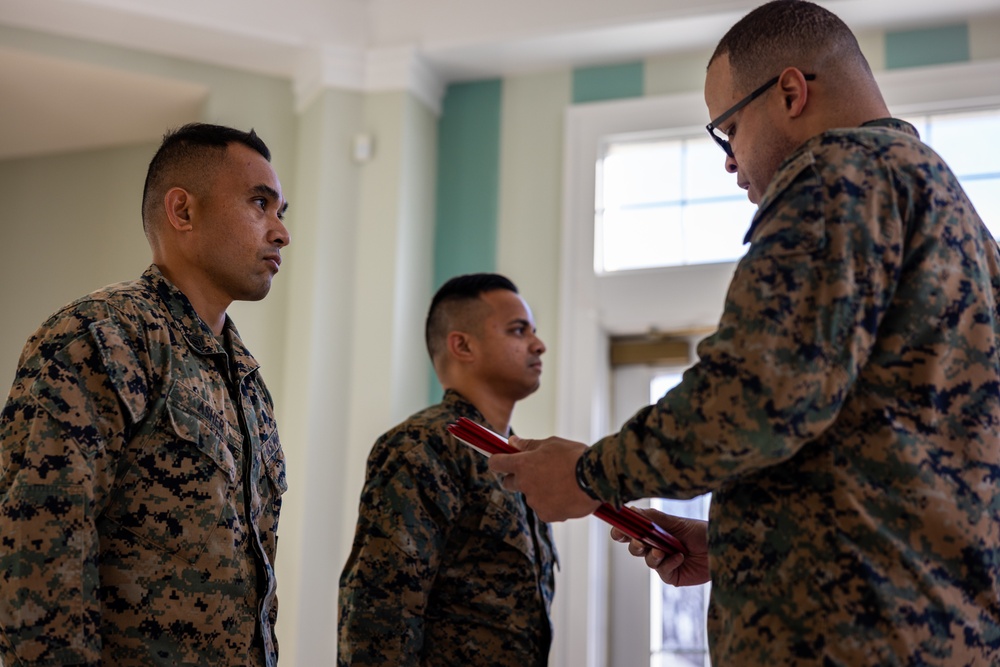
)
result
[(453, 304), (191, 149), (786, 33)]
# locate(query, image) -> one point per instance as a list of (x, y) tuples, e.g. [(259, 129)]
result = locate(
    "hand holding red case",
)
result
[(625, 519)]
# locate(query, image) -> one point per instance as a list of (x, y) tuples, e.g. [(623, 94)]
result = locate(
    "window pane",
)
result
[(667, 203), (985, 196), (960, 137), (714, 231), (642, 237), (678, 636), (642, 173), (705, 175)]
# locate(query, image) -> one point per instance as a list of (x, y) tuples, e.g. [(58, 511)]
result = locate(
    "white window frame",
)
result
[(593, 307)]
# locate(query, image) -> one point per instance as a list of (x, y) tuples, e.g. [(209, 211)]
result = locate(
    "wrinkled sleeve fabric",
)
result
[(799, 321), (406, 511), (60, 429)]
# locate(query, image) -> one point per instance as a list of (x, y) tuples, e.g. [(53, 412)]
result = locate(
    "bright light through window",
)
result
[(667, 202), (664, 202)]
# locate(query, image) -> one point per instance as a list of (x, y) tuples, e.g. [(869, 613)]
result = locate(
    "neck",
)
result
[(210, 308), (495, 409)]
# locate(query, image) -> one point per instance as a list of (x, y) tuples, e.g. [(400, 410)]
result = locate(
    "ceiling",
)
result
[(52, 104)]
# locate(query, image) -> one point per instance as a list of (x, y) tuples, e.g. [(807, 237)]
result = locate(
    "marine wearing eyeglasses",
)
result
[(721, 136), (845, 416)]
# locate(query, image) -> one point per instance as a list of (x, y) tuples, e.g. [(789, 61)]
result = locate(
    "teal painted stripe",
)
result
[(608, 82), (928, 46), (468, 184)]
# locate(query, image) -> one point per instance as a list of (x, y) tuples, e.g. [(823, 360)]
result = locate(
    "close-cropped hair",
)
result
[(453, 299), (786, 33), (192, 147)]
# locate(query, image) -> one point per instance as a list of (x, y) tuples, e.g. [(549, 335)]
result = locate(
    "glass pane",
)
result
[(959, 138), (705, 175), (679, 615), (642, 173), (667, 203), (678, 636), (713, 232), (639, 238), (985, 196)]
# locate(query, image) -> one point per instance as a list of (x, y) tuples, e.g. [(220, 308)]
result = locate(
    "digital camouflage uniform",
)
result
[(846, 417), (447, 568), (140, 483)]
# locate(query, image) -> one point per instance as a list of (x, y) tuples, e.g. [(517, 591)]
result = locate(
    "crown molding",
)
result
[(404, 69), (372, 70)]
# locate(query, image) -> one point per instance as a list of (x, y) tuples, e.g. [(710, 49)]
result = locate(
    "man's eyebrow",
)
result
[(523, 322)]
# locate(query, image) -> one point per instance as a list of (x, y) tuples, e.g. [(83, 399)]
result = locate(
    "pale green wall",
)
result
[(71, 224), (317, 367), (530, 218), (236, 98)]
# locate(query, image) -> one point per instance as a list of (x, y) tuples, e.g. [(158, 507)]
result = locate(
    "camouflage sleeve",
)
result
[(799, 322), (401, 534), (56, 430)]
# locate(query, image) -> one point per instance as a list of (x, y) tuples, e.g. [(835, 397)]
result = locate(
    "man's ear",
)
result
[(794, 91), (460, 346), (178, 203)]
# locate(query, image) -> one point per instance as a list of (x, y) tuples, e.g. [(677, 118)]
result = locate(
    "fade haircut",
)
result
[(787, 33), (456, 305), (186, 157)]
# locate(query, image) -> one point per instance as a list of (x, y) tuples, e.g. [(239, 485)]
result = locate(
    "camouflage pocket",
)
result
[(274, 463), (503, 522), (181, 480)]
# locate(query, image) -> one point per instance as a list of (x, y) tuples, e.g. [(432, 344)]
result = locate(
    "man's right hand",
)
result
[(677, 569)]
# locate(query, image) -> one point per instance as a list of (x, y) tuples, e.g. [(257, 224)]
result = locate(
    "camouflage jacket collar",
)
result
[(893, 124), (460, 406), (793, 164), (198, 334)]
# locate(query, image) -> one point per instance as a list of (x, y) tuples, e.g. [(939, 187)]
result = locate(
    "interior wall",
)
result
[(71, 225), (314, 425)]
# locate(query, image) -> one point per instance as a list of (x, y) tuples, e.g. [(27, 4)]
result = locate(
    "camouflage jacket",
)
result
[(140, 483), (846, 415), (446, 568)]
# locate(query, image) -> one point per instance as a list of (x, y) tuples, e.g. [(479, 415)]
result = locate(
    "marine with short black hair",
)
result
[(446, 567), (141, 472)]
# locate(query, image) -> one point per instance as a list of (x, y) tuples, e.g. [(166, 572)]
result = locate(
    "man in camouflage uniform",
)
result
[(846, 414), (140, 466), (447, 568)]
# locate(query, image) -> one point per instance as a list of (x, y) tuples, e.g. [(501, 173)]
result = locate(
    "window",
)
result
[(667, 202), (663, 202), (677, 615)]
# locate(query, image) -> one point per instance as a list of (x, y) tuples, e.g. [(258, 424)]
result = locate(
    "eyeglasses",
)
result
[(721, 137)]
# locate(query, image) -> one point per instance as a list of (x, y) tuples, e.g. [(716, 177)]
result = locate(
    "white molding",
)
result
[(374, 70), (403, 68), (327, 67)]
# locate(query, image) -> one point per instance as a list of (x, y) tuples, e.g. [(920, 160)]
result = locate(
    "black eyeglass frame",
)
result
[(714, 125)]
